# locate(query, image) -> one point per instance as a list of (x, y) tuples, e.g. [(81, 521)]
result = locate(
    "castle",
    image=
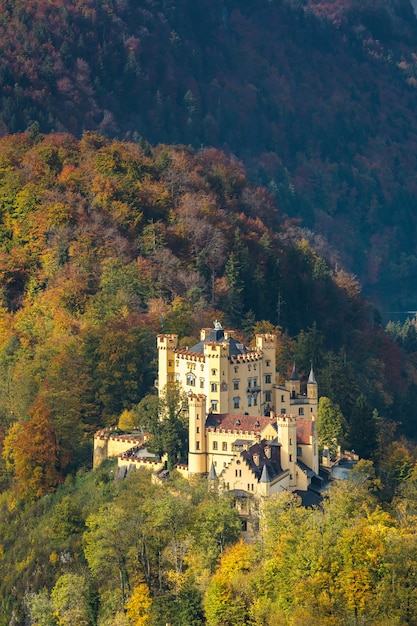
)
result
[(253, 435), (246, 429)]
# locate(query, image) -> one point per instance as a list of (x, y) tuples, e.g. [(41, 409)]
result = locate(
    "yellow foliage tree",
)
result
[(126, 420), (139, 605)]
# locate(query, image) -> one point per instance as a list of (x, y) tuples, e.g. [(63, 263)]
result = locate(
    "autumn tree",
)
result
[(32, 454)]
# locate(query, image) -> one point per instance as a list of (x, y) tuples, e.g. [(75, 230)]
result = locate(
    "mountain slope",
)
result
[(318, 99)]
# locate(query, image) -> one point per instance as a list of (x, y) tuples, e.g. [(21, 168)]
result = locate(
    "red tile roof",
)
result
[(239, 423), (304, 430)]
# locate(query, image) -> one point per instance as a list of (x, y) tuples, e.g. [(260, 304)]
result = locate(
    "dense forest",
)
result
[(104, 244), (164, 164), (131, 553), (317, 98)]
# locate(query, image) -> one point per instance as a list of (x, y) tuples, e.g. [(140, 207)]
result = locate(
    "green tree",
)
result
[(363, 428), (234, 300), (41, 609), (71, 600), (166, 418), (309, 348), (217, 525), (331, 425)]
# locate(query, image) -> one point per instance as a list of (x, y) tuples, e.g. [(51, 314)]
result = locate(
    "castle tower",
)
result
[(166, 362), (267, 344), (312, 394), (294, 384), (287, 437), (312, 391), (197, 449)]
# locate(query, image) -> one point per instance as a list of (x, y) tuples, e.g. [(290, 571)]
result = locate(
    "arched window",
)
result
[(191, 380)]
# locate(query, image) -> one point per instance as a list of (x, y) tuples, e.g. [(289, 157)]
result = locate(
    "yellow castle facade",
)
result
[(245, 429)]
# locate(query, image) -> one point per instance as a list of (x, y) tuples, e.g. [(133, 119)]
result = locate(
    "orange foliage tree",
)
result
[(32, 454)]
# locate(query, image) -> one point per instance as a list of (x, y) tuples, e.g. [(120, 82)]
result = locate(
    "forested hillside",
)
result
[(317, 98), (104, 244), (100, 552)]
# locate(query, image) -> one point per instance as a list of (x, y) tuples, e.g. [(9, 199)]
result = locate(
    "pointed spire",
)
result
[(312, 378), (265, 478), (294, 373), (212, 473)]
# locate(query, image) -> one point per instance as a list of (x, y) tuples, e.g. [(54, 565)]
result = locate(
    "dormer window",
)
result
[(238, 422)]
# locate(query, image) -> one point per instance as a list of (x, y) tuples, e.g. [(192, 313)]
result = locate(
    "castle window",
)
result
[(214, 387), (283, 410), (249, 368), (201, 383), (249, 400), (268, 363), (299, 451), (236, 402), (197, 430), (267, 379), (236, 370), (290, 441), (290, 458), (244, 525), (224, 446), (255, 399), (282, 399), (197, 445), (224, 387), (202, 367), (249, 382), (255, 382), (214, 405), (301, 411), (254, 366), (214, 445), (251, 487), (290, 476), (235, 384), (169, 363), (267, 396), (214, 372), (191, 380)]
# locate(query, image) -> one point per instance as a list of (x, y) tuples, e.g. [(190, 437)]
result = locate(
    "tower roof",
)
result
[(294, 374), (265, 475), (212, 473), (217, 336), (312, 378)]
